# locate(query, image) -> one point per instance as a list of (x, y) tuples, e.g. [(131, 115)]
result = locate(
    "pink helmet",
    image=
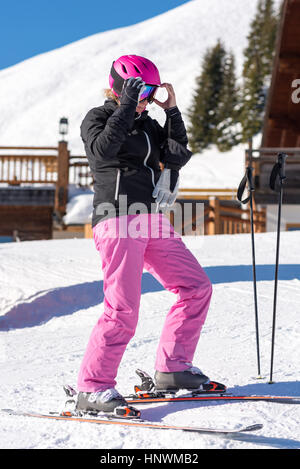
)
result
[(132, 66)]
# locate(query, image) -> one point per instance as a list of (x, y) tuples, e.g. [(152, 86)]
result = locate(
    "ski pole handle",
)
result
[(281, 162), (278, 171), (250, 178)]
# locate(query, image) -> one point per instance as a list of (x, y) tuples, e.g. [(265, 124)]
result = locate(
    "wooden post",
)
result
[(217, 216), (214, 223), (61, 192), (88, 231), (211, 216)]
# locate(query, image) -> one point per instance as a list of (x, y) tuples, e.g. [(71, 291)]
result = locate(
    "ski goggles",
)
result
[(148, 92)]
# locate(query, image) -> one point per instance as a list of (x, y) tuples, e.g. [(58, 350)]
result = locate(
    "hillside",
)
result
[(68, 81)]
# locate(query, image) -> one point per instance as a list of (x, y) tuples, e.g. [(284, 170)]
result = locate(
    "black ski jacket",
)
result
[(124, 151)]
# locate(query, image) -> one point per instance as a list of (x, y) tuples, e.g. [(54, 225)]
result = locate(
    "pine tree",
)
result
[(258, 67), (228, 131), (203, 114)]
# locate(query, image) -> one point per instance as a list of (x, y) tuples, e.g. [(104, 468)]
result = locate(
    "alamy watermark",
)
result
[(296, 93), (133, 220)]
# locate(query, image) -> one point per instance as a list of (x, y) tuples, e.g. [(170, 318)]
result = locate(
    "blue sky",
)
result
[(31, 27)]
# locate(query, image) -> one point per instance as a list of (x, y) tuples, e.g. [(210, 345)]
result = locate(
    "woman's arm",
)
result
[(104, 136), (177, 127), (174, 153)]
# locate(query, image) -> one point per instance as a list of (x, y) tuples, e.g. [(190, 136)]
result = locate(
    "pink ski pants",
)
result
[(156, 247)]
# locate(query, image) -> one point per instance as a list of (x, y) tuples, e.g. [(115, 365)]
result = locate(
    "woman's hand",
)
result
[(166, 189), (171, 99), (131, 90)]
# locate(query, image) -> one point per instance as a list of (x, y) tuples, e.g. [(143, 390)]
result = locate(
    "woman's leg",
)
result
[(175, 267), (122, 265)]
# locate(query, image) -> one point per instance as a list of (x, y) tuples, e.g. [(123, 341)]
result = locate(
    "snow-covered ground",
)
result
[(51, 296), (51, 291), (69, 81)]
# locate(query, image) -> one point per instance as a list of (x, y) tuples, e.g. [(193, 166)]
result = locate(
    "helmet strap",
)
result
[(118, 81)]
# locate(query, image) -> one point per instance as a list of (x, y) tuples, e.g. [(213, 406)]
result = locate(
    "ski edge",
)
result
[(223, 398), (135, 423)]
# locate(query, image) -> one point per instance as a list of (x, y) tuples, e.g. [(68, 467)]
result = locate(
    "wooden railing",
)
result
[(28, 168), (60, 168), (263, 160), (224, 194), (31, 168), (219, 216), (221, 219), (79, 171)]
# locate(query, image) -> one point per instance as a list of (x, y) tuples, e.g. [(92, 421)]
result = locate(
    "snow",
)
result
[(80, 206), (51, 291), (68, 81), (51, 297)]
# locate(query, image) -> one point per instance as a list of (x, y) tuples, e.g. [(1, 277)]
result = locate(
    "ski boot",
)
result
[(191, 379), (108, 402)]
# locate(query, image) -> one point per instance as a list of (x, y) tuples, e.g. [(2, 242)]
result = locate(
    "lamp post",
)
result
[(63, 127), (61, 193)]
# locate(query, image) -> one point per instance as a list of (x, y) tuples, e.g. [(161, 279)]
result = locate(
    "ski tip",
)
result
[(237, 431), (8, 411), (254, 427)]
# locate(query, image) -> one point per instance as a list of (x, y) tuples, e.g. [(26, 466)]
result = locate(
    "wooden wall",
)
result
[(282, 117), (26, 212), (26, 222)]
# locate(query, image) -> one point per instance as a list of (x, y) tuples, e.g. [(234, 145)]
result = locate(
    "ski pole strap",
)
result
[(278, 171), (248, 178)]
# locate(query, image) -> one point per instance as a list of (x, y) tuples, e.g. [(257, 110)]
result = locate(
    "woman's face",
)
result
[(141, 106)]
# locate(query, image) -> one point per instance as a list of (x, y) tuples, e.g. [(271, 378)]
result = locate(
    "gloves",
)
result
[(131, 90), (166, 189)]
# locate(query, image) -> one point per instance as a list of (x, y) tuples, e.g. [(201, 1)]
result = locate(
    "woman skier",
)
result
[(124, 147)]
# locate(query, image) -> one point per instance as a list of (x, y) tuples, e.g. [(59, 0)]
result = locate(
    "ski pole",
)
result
[(278, 173), (248, 180)]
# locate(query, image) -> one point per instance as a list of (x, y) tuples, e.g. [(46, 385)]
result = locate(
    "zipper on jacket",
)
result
[(117, 184), (147, 156)]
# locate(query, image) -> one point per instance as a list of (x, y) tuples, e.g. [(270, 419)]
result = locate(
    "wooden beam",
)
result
[(280, 30), (61, 193), (284, 123)]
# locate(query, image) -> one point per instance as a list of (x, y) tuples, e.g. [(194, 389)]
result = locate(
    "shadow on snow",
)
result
[(67, 300), (158, 412)]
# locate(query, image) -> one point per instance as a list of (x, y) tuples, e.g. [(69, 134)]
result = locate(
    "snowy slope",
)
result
[(69, 81), (51, 296)]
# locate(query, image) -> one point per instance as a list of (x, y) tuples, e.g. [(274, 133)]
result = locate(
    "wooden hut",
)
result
[(281, 129)]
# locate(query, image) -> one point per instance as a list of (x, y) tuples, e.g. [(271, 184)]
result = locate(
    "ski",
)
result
[(134, 423), (148, 388), (212, 391), (152, 399)]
